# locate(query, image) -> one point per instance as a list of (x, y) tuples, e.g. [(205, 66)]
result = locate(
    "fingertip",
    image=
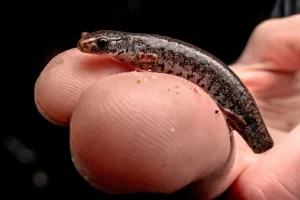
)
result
[(147, 132), (63, 80)]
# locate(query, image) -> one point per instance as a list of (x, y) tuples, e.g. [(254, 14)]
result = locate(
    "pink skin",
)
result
[(149, 132)]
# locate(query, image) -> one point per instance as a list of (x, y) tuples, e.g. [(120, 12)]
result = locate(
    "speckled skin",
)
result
[(168, 55)]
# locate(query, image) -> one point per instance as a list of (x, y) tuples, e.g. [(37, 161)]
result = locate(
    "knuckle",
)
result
[(283, 23), (265, 26)]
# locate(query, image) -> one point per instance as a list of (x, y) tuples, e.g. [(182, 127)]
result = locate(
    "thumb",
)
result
[(148, 132)]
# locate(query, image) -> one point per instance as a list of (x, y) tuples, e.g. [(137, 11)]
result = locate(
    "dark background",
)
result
[(33, 148)]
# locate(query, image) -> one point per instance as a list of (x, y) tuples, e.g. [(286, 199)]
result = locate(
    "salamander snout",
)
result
[(86, 42), (86, 45)]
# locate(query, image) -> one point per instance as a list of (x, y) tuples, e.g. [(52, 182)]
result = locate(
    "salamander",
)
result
[(168, 55)]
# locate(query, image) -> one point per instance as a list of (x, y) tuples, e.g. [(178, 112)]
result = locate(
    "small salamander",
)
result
[(172, 56)]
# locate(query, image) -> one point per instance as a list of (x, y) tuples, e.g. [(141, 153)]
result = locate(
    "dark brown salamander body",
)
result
[(172, 56)]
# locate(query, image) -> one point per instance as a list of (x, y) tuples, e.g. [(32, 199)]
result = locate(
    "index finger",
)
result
[(65, 77)]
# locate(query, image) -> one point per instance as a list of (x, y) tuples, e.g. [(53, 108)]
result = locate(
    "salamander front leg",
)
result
[(146, 58)]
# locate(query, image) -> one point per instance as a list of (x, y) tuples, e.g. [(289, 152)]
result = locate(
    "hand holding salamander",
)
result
[(132, 132)]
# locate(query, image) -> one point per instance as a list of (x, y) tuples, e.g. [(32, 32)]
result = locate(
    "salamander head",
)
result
[(104, 42)]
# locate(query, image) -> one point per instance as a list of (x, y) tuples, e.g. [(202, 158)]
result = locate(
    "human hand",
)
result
[(270, 67), (145, 132)]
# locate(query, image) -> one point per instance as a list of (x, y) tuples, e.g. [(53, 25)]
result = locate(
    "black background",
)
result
[(33, 33)]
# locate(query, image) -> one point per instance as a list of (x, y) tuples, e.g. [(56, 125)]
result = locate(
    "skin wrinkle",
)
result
[(284, 188), (262, 194), (255, 193), (251, 189)]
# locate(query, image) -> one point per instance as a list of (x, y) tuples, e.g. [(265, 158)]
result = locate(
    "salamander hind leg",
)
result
[(235, 121), (258, 139)]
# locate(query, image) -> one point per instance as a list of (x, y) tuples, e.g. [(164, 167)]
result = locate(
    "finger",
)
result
[(277, 176), (262, 82), (274, 40), (60, 84), (149, 132)]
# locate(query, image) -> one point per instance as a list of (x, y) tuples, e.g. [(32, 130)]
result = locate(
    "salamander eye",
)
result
[(102, 42)]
